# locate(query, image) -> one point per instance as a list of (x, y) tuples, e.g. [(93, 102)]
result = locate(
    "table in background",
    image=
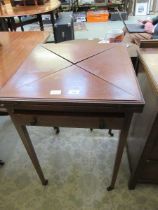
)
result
[(73, 84), (7, 11), (14, 49)]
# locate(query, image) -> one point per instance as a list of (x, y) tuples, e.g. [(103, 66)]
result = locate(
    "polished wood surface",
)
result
[(74, 53), (93, 76), (14, 49), (8, 11), (88, 86), (151, 43)]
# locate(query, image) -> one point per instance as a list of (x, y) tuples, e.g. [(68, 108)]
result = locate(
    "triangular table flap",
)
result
[(40, 63), (115, 67), (70, 83), (81, 50), (15, 48)]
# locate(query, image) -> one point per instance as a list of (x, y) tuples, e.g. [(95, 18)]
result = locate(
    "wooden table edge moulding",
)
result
[(73, 84)]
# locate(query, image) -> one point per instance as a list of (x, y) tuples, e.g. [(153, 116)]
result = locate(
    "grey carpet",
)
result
[(78, 164)]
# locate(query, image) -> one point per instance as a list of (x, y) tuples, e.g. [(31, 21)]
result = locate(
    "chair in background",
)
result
[(21, 21)]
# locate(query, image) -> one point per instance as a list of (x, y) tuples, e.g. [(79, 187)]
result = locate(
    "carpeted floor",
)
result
[(78, 164)]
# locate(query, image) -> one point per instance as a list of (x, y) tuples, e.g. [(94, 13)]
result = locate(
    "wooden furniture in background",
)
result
[(62, 85), (27, 2), (19, 46), (142, 144), (9, 12), (23, 43), (1, 2), (21, 21), (121, 4)]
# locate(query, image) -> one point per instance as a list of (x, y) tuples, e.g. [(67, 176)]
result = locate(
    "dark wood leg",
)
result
[(21, 24), (40, 22), (52, 19), (23, 133), (120, 148), (56, 13), (53, 22), (11, 24), (2, 162), (3, 24)]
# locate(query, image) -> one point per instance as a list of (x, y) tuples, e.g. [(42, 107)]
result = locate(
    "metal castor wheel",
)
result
[(110, 132), (2, 162), (57, 130), (109, 188), (46, 182)]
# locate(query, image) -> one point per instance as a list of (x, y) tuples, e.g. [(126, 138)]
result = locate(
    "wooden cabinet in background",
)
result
[(142, 145)]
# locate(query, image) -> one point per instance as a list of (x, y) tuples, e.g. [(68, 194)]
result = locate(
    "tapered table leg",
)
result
[(120, 148), (30, 150), (21, 23)]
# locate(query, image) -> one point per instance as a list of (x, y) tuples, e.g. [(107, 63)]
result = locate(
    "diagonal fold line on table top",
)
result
[(114, 71), (73, 70), (81, 59), (105, 80), (91, 72), (42, 77), (34, 59), (49, 74)]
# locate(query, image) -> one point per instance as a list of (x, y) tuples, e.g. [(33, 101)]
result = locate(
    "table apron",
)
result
[(72, 120)]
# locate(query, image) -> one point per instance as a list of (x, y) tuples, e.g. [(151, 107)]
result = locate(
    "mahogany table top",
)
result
[(14, 48), (8, 11), (80, 70)]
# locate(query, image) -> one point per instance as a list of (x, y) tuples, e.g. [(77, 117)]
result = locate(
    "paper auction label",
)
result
[(55, 92), (73, 92)]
